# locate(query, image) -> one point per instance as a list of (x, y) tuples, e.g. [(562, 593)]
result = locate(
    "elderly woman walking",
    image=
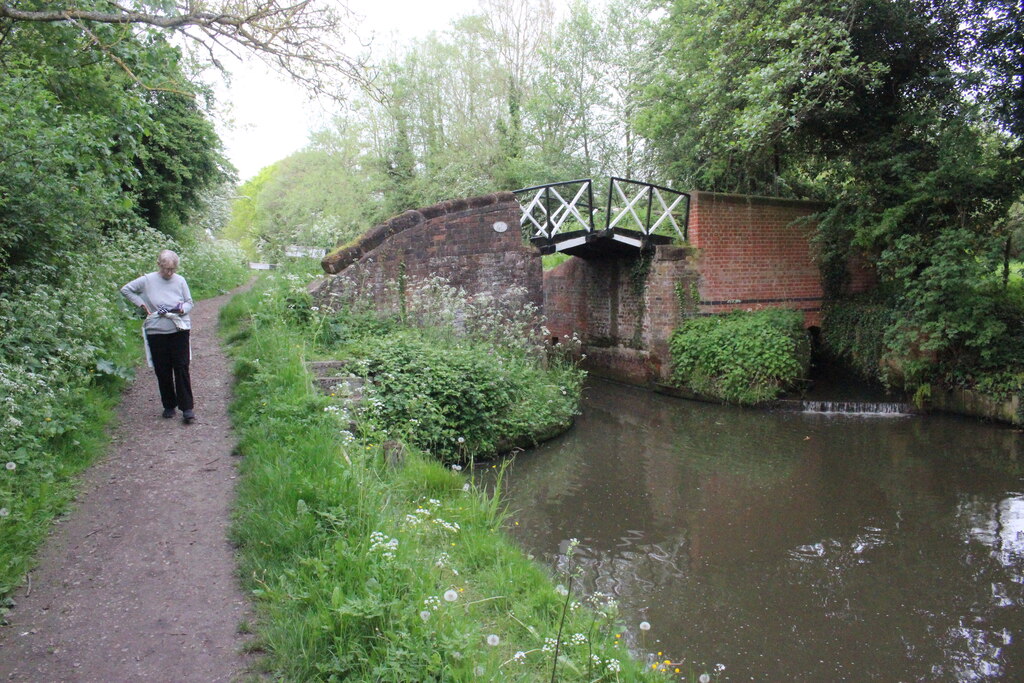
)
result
[(164, 298)]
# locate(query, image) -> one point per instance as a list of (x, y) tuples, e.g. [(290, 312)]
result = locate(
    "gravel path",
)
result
[(138, 583)]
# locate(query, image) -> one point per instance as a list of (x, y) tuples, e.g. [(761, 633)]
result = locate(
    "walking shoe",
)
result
[(187, 416), (168, 412)]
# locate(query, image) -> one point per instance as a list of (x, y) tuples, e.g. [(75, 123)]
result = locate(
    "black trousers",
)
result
[(170, 353)]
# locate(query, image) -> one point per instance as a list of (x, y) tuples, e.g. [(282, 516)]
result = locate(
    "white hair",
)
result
[(168, 258)]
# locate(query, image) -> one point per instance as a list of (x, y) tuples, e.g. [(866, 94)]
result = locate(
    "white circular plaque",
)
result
[(500, 226)]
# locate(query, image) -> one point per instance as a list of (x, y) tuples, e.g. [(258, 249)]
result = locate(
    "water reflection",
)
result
[(790, 546)]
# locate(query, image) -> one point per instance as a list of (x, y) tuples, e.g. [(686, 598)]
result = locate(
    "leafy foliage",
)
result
[(853, 330), (94, 146), (452, 376), (741, 357), (904, 114), (467, 398), (317, 197)]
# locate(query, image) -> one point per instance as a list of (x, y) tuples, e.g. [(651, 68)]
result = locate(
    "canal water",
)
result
[(787, 546)]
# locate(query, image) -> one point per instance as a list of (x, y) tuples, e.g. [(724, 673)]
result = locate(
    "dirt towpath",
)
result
[(138, 583)]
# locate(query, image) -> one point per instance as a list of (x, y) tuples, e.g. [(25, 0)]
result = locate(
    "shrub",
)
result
[(464, 398), (741, 357)]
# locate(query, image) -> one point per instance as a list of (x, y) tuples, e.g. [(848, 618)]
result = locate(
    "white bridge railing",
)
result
[(556, 210)]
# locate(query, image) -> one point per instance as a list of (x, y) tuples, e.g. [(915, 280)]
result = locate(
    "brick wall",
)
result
[(455, 240), (758, 252)]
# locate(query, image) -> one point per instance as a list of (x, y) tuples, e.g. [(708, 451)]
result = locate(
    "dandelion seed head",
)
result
[(645, 626), (425, 615), (4, 512), (11, 465), (493, 640), (451, 595), (704, 678)]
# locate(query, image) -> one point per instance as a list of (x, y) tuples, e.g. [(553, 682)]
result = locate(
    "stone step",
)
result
[(325, 368)]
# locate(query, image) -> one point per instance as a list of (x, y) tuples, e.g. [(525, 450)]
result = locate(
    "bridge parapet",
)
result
[(472, 244)]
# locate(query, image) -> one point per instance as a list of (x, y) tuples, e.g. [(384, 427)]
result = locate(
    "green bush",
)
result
[(212, 267), (453, 399), (882, 342), (741, 357)]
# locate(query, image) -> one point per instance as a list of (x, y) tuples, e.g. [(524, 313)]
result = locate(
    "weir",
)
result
[(857, 408)]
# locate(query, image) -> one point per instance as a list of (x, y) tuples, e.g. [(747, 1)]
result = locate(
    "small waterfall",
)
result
[(857, 408)]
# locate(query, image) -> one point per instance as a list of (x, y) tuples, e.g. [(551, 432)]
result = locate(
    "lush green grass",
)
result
[(365, 570), (66, 349), (553, 260)]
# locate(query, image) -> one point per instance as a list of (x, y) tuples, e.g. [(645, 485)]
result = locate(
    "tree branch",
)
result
[(303, 39)]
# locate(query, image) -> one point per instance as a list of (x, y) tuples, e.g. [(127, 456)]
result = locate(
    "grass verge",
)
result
[(369, 559)]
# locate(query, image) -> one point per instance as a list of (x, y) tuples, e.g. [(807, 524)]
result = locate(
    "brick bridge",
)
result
[(629, 287)]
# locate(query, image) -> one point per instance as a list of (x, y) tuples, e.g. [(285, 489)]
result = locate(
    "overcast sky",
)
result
[(267, 118)]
